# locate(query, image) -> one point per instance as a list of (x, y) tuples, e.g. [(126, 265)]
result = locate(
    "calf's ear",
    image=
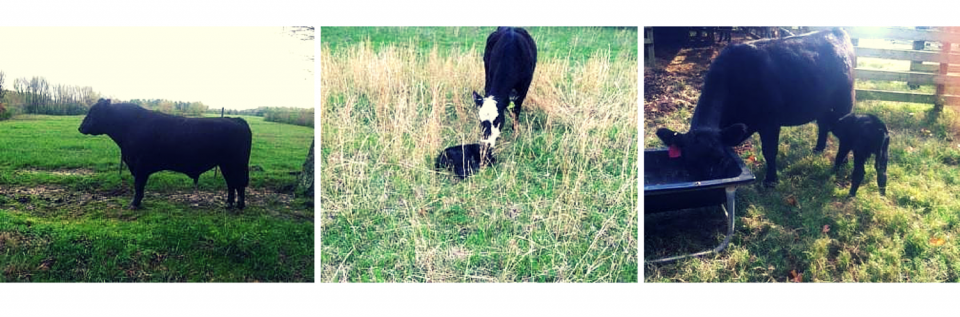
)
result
[(477, 99), (667, 136), (732, 135)]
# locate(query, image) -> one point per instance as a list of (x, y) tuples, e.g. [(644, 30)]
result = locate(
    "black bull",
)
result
[(151, 141)]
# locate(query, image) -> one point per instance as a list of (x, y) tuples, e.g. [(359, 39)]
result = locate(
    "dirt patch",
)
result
[(676, 80), (47, 198)]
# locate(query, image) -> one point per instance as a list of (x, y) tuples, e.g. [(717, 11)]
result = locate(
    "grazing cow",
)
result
[(508, 61), (151, 141), (465, 159), (761, 86), (865, 135)]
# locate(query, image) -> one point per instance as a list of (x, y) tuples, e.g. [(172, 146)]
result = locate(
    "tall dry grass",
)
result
[(386, 114)]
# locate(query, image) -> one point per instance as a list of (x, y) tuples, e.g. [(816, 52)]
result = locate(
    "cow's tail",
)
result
[(247, 145)]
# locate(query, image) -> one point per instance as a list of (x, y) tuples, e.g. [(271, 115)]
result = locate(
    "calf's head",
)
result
[(490, 119), (98, 119), (703, 150)]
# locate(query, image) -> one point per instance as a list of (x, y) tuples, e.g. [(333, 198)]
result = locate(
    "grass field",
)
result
[(62, 216), (560, 204), (807, 229)]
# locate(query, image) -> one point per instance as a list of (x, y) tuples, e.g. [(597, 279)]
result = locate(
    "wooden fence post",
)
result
[(915, 65), (941, 88), (648, 44)]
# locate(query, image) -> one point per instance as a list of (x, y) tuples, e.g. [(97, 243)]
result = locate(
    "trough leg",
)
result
[(730, 208)]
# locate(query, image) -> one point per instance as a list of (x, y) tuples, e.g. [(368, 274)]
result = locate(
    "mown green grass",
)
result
[(62, 216), (909, 235), (559, 206)]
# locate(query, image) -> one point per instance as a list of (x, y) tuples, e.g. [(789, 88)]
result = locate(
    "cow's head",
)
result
[(703, 149), (490, 119), (98, 118)]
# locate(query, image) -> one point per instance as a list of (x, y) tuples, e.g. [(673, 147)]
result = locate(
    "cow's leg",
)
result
[(824, 124), (859, 158), (842, 106), (521, 96), (241, 191), (230, 195), (842, 154), (769, 140), (881, 166), (139, 182)]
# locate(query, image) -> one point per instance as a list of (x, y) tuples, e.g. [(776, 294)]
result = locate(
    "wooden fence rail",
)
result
[(919, 73)]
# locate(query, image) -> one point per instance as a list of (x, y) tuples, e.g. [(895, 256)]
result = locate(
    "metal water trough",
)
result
[(667, 187)]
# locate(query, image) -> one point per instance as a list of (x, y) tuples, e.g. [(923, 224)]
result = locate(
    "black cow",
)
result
[(465, 159), (151, 141), (865, 135), (508, 61), (761, 86)]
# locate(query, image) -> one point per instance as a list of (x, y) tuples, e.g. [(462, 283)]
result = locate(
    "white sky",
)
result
[(232, 67)]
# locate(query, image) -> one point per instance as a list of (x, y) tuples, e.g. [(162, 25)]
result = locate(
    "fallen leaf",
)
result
[(796, 277), (790, 200), (826, 228), (937, 241), (753, 159)]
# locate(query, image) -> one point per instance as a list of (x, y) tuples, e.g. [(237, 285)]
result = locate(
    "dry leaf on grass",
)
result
[(937, 241), (826, 228), (792, 201), (796, 277)]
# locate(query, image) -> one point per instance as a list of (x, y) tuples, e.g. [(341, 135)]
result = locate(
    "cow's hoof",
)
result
[(819, 149), (132, 207)]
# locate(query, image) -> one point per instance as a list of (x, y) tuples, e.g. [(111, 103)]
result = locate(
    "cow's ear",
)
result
[(477, 99), (732, 135), (667, 136)]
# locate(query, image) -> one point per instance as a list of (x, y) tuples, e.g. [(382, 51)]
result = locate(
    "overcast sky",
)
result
[(232, 67)]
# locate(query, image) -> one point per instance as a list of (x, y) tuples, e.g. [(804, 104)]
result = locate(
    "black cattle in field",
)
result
[(508, 61), (465, 159), (761, 86), (865, 135), (151, 141)]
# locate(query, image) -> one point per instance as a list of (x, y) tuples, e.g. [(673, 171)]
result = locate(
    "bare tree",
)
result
[(2, 92)]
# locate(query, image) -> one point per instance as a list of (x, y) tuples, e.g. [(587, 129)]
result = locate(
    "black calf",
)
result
[(865, 135), (465, 159)]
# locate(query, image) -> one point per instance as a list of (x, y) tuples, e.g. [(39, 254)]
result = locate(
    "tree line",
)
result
[(180, 108), (295, 116), (36, 95)]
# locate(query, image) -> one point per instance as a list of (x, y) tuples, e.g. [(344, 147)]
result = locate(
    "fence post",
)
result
[(941, 88), (648, 44), (217, 168)]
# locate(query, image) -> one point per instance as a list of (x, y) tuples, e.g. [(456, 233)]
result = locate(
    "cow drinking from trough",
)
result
[(761, 86), (508, 61), (151, 141)]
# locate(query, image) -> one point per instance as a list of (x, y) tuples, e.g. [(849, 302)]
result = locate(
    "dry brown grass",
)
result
[(564, 188)]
